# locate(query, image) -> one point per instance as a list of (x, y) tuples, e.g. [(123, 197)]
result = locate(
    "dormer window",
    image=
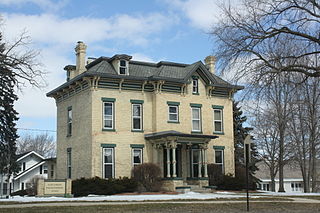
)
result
[(123, 68), (195, 85)]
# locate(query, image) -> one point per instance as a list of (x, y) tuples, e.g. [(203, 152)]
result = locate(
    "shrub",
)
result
[(98, 186), (148, 175), (19, 193), (229, 182), (32, 186), (215, 174)]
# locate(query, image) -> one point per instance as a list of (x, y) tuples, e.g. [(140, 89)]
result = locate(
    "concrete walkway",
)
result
[(89, 203)]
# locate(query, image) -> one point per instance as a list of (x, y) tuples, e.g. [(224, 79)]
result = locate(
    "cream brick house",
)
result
[(114, 113)]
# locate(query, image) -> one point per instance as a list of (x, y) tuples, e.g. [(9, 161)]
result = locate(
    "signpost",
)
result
[(247, 142)]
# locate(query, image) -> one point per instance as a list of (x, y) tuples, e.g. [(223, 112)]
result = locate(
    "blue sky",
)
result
[(149, 30)]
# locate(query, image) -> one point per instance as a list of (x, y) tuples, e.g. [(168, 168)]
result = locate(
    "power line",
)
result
[(39, 130)]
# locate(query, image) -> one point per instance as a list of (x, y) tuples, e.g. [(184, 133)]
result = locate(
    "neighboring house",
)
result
[(115, 113), (31, 165), (293, 181)]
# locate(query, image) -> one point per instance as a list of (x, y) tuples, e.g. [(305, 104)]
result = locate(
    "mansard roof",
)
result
[(147, 71)]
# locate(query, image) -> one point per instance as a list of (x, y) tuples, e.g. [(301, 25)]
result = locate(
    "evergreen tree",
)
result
[(240, 134), (8, 116)]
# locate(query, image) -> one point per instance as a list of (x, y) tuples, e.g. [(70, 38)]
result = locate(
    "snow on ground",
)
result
[(186, 196)]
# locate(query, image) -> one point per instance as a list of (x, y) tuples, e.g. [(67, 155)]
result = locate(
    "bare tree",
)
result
[(40, 143), (304, 129), (244, 33), (267, 142)]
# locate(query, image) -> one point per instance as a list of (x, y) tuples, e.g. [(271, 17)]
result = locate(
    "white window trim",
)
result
[(222, 160), (177, 113), (69, 122), (104, 163), (214, 121), (125, 67), (69, 164), (132, 153), (195, 86), (135, 116), (199, 119), (104, 116)]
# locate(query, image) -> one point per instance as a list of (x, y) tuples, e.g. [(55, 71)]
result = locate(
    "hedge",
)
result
[(98, 186)]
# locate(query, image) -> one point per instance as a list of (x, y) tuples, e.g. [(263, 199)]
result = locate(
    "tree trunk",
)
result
[(281, 150)]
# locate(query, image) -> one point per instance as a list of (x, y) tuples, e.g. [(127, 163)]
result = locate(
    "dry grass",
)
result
[(168, 208)]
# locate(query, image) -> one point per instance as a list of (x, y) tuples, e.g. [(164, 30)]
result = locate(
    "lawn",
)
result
[(167, 208)]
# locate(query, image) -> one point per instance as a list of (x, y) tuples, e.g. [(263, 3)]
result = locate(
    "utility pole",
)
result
[(247, 156)]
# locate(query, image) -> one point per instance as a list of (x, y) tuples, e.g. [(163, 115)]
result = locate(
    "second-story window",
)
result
[(217, 119), (69, 121), (108, 116), (173, 113), (123, 68), (136, 116), (218, 125), (195, 88), (196, 119)]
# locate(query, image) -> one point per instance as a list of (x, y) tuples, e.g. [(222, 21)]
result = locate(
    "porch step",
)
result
[(197, 188)]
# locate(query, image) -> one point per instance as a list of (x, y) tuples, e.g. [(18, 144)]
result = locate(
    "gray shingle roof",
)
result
[(163, 70)]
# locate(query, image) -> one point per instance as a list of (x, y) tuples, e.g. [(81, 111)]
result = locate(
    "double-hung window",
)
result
[(69, 162), (219, 158), (173, 112), (108, 162), (137, 115), (108, 115), (69, 121), (217, 119), (195, 85), (196, 117), (137, 156), (123, 67)]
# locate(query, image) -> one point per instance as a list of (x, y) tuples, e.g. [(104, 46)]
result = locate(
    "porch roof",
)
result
[(158, 135)]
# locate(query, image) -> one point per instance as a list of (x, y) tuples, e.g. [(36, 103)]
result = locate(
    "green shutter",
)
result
[(196, 105), (217, 107), (108, 99), (136, 101), (173, 103), (219, 147), (108, 145), (138, 146)]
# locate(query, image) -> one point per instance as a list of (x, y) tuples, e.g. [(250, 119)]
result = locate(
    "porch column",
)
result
[(205, 163), (168, 162), (174, 172), (200, 164)]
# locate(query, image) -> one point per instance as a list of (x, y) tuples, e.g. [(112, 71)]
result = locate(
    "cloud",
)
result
[(50, 29), (43, 4), (142, 57), (56, 36), (201, 13)]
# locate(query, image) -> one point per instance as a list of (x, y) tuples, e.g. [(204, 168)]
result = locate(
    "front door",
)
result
[(195, 159)]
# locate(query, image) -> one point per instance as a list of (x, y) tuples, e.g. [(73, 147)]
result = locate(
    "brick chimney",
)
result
[(80, 55), (210, 62)]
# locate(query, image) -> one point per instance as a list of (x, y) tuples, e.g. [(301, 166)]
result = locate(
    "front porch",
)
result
[(183, 158)]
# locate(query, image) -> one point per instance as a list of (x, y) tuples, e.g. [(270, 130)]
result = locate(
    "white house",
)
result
[(292, 180), (31, 165)]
